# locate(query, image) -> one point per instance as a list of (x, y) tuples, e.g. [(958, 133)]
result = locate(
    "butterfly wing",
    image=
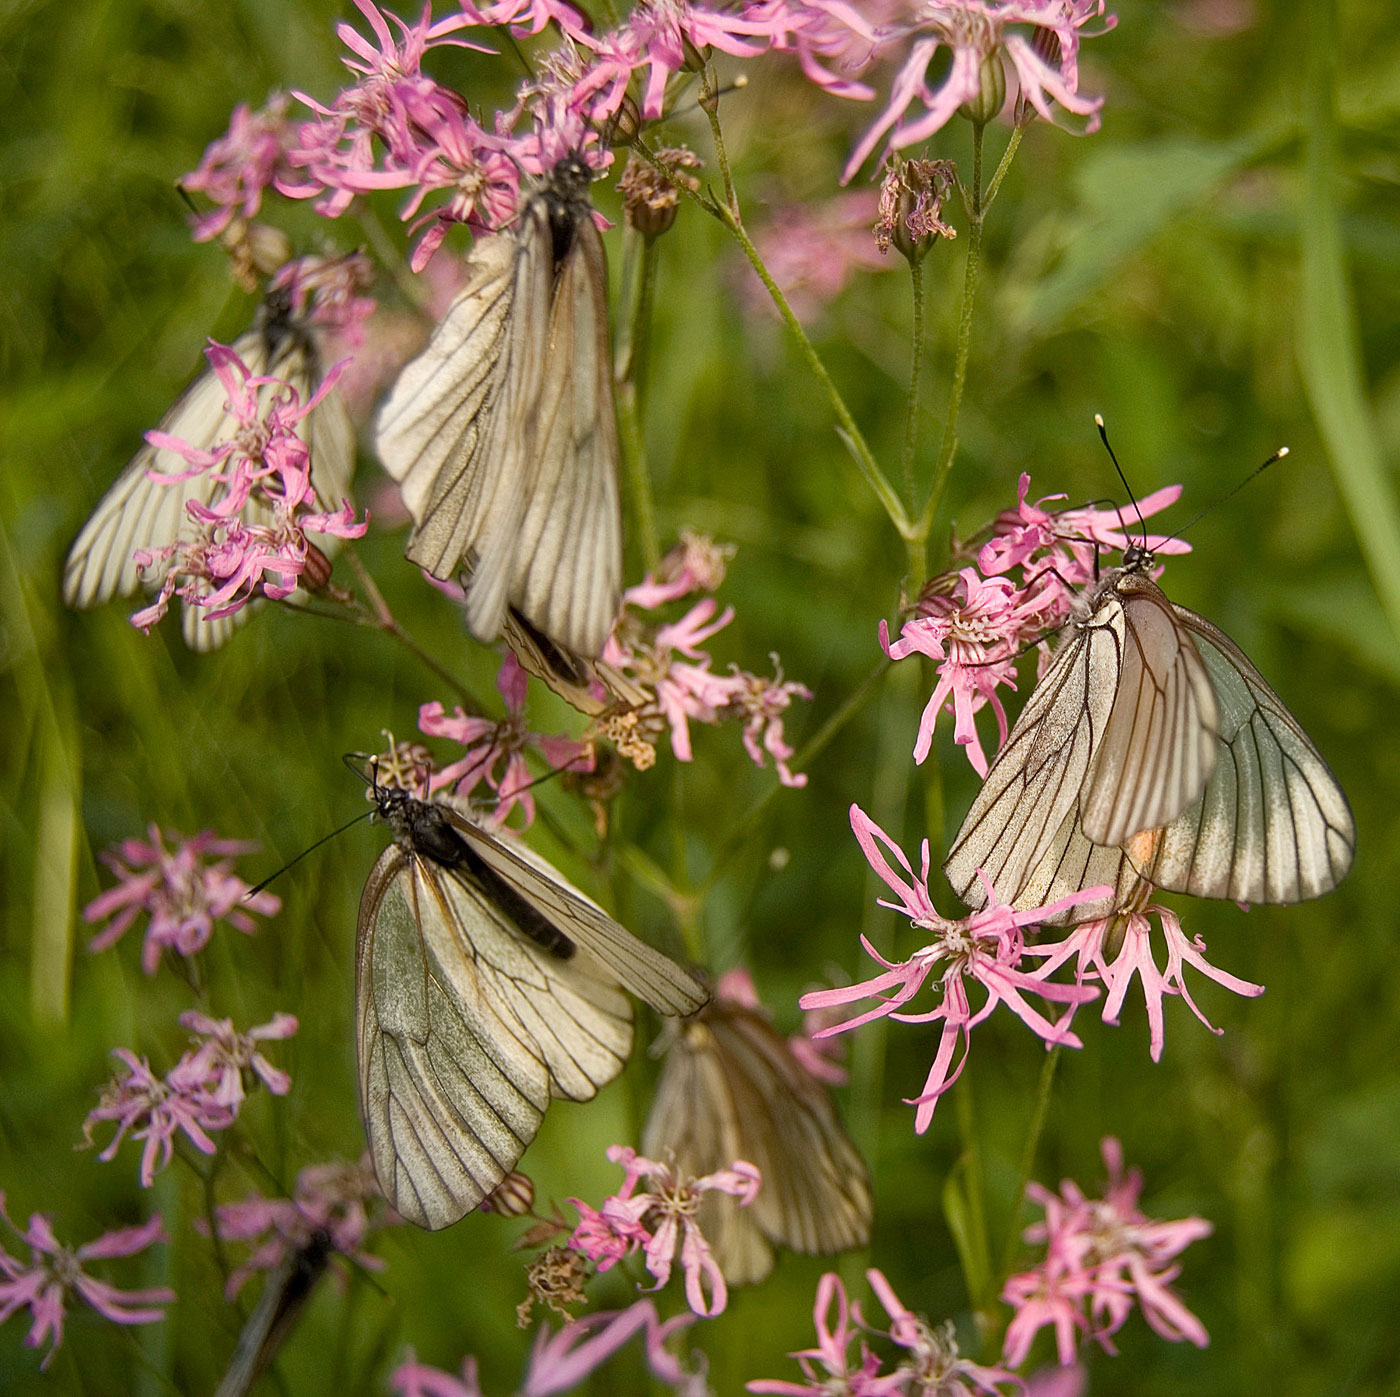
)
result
[(1272, 824), (732, 1089), (1035, 782), (636, 966), (465, 1031), (1159, 747), (447, 431), (559, 562), (138, 513), (591, 686)]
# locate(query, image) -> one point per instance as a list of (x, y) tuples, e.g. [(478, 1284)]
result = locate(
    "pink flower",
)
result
[(812, 252), (986, 948), (496, 750), (223, 1059), (975, 639), (236, 168), (414, 1379), (669, 659), (1115, 949), (252, 539), (976, 33), (934, 1364), (332, 1207), (1101, 1256), (55, 1272), (156, 1110), (662, 1223), (826, 1367), (560, 1361), (183, 896)]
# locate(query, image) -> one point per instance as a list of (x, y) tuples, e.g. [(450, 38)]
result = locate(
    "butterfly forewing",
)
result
[(466, 1031), (1153, 758), (503, 431), (1035, 782), (486, 987)]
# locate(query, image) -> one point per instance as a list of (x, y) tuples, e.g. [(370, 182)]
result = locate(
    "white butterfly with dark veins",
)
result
[(139, 513), (1152, 752), (503, 435), (486, 986)]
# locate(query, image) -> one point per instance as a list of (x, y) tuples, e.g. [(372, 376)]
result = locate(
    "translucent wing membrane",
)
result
[(1152, 753), (466, 1031), (504, 435), (138, 513), (1273, 824), (732, 1089), (486, 987)]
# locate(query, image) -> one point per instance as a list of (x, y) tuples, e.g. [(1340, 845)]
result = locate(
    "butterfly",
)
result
[(486, 986), (594, 687), (140, 513), (502, 433), (1152, 754), (731, 1088)]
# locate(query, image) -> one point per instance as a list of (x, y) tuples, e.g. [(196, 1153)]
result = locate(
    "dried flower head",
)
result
[(650, 196)]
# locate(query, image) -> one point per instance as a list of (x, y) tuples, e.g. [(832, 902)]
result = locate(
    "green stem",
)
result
[(382, 619), (976, 211), (850, 433), (916, 366), (709, 104), (1028, 1153), (639, 288), (1007, 156)]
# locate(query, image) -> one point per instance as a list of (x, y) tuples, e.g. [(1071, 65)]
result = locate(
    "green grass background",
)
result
[(1217, 272)]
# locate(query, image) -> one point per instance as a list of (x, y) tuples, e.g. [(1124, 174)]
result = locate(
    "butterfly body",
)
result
[(503, 434), (486, 986), (1152, 754)]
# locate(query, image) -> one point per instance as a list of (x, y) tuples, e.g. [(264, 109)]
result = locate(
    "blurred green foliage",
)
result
[(1217, 272)]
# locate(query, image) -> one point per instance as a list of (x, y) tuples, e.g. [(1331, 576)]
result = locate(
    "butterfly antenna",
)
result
[(253, 892), (1230, 494), (1103, 436), (549, 775)]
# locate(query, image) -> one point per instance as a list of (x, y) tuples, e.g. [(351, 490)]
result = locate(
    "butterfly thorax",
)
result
[(566, 201), (1138, 561), (422, 826)]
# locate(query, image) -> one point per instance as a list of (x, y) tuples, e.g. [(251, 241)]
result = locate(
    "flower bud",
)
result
[(1046, 46), (911, 205), (991, 95), (649, 196), (625, 124)]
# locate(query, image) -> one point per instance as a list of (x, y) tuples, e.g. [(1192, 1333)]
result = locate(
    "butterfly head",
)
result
[(1137, 557)]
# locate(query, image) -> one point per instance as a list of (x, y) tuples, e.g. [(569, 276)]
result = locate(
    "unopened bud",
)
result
[(991, 94), (650, 196), (625, 124), (1045, 44)]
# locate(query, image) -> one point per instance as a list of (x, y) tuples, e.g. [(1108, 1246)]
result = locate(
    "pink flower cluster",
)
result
[(55, 1273), (561, 1360), (986, 949), (496, 749), (997, 950), (182, 894), (265, 464), (396, 127), (974, 624), (1101, 1257), (668, 659), (977, 35), (929, 1364), (661, 1222), (333, 1206), (203, 1092)]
